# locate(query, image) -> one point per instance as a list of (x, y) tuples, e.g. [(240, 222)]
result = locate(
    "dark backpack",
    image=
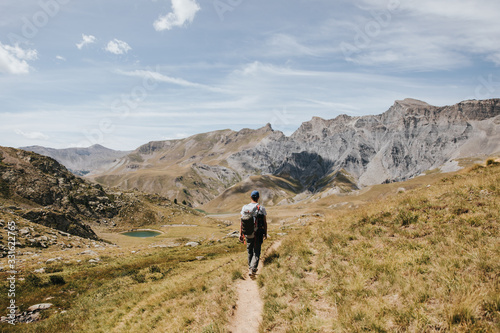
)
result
[(248, 226), (260, 219)]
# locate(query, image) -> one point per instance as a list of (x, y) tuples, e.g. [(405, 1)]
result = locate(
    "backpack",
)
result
[(248, 225), (259, 219)]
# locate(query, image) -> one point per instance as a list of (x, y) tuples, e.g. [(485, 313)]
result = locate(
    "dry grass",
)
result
[(156, 290), (427, 260)]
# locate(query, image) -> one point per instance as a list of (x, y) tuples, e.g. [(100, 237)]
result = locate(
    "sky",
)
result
[(121, 73)]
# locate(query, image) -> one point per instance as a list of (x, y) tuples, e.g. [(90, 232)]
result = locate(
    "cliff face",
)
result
[(408, 139)]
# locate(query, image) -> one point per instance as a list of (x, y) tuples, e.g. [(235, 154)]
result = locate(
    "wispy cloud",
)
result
[(61, 58), (117, 46), (422, 36), (32, 135), (158, 77), (183, 11), (86, 40), (14, 59)]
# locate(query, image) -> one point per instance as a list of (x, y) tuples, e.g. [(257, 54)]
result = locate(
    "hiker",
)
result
[(253, 229)]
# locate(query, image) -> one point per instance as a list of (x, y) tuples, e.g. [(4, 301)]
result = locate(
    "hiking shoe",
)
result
[(251, 272), (254, 271)]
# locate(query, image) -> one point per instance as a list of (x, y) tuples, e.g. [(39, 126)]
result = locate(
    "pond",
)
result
[(142, 233)]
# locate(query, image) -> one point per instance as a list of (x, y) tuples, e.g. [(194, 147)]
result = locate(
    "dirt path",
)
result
[(248, 315)]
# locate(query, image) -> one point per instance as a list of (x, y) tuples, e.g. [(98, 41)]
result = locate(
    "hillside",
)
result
[(192, 169), (331, 156), (38, 189), (426, 260)]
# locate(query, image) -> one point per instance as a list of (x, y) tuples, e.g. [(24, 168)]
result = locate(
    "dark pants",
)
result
[(253, 249)]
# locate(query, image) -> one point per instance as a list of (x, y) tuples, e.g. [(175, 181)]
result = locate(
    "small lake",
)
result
[(142, 233)]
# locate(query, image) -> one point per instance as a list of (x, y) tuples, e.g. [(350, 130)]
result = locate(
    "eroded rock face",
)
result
[(408, 139)]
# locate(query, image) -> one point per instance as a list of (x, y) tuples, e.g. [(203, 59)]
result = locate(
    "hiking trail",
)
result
[(249, 307)]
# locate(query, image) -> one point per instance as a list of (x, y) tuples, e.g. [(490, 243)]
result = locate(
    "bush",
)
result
[(33, 280), (57, 280), (236, 275), (139, 278), (154, 269), (405, 218), (491, 162)]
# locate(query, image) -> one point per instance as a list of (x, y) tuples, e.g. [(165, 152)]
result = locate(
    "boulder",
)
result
[(39, 307)]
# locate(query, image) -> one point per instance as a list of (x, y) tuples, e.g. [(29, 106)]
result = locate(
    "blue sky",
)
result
[(121, 73)]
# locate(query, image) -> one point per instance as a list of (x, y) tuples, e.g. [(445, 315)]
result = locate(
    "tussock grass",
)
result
[(163, 290), (427, 260)]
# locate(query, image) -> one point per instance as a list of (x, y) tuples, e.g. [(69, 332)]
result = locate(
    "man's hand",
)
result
[(242, 238), (265, 236)]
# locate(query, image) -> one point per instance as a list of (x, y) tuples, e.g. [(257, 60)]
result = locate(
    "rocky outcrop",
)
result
[(408, 139)]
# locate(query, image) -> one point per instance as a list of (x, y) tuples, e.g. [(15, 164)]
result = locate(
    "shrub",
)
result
[(33, 280), (236, 274), (154, 269), (405, 218), (139, 278), (57, 280), (491, 162)]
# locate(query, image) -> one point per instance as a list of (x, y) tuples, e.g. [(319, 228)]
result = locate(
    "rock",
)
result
[(89, 252), (234, 234), (95, 260), (24, 231), (192, 244), (39, 270), (200, 258), (401, 190), (53, 260), (39, 307)]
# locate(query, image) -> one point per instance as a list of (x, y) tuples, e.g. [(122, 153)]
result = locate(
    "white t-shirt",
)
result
[(251, 210)]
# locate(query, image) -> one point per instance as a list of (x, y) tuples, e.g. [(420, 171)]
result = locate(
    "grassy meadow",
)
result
[(425, 260)]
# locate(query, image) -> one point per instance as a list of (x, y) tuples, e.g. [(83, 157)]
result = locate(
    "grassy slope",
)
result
[(157, 290), (426, 260)]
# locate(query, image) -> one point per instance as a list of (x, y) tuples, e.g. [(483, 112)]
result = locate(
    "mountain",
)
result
[(39, 189), (193, 169), (336, 155), (80, 161)]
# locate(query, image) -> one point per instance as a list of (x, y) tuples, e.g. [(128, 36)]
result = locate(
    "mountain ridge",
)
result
[(408, 139)]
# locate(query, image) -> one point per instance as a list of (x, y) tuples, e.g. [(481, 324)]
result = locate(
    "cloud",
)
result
[(158, 77), (86, 39), (285, 45), (32, 135), (13, 59), (183, 11), (61, 58), (422, 36), (117, 46)]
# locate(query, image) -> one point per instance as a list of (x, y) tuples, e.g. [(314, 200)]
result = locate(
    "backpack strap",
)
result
[(255, 218)]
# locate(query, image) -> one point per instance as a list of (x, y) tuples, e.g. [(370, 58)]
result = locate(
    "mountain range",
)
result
[(80, 161), (322, 156)]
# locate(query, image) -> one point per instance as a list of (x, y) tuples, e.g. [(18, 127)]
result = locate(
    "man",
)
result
[(256, 214)]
